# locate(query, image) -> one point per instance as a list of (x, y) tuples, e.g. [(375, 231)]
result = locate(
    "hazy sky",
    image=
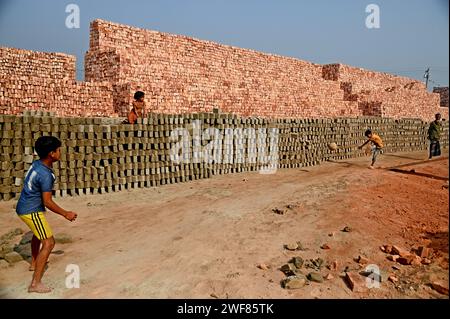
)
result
[(413, 34)]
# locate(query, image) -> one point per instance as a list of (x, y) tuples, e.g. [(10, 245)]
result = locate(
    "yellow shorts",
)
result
[(38, 225)]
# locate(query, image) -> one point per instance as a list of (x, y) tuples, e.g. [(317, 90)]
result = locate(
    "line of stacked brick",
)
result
[(102, 155)]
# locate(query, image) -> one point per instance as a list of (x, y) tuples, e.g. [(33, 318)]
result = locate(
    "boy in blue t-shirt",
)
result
[(36, 195)]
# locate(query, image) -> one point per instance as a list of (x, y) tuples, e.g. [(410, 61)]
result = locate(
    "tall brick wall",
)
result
[(185, 75), (100, 155), (182, 74), (443, 93), (46, 81), (392, 96), (32, 64)]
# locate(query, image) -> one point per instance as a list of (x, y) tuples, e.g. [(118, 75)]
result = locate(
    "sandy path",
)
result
[(206, 237)]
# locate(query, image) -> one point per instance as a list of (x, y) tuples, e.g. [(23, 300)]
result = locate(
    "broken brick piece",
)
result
[(440, 287), (408, 260), (424, 252), (393, 257), (356, 282)]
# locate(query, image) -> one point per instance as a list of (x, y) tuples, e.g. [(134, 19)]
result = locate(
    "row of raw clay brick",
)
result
[(102, 155)]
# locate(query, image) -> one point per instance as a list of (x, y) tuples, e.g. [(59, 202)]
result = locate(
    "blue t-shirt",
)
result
[(39, 179)]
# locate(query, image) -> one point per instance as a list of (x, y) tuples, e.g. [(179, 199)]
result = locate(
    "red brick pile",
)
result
[(443, 93), (384, 94), (46, 81), (185, 75)]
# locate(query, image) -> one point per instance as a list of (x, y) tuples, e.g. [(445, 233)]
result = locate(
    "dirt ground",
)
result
[(205, 239)]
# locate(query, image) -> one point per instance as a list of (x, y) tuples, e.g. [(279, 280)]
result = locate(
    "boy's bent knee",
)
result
[(48, 243)]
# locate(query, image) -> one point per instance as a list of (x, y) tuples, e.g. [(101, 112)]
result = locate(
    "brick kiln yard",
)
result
[(220, 238)]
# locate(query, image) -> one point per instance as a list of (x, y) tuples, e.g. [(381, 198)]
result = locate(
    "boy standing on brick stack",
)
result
[(36, 195), (377, 145), (434, 134)]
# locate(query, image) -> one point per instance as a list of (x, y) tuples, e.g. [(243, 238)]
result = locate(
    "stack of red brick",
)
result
[(46, 81), (443, 93), (185, 75), (384, 94)]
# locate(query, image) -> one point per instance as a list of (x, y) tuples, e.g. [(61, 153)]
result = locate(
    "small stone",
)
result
[(263, 267), (416, 261), (298, 272), (3, 264), (399, 251), (383, 249), (362, 260), (317, 262), (297, 261), (424, 252), (23, 250), (329, 276), (291, 246), (294, 282), (393, 279), (325, 246), (18, 231), (7, 236), (63, 238), (440, 287), (393, 257), (356, 282), (333, 266), (13, 257), (26, 238), (7, 248), (288, 269), (426, 261), (278, 211), (347, 229), (316, 277), (213, 295), (405, 260), (395, 267), (300, 246), (331, 234), (384, 276), (388, 249)]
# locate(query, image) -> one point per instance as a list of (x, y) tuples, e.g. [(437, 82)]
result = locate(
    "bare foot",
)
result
[(371, 167), (39, 288)]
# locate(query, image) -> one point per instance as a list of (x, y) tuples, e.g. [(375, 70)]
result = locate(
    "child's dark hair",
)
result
[(138, 95), (46, 144), (368, 132)]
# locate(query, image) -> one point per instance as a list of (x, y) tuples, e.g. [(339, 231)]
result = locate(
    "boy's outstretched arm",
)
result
[(50, 204), (364, 144)]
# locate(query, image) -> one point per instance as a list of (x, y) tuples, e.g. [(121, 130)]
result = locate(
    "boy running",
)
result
[(377, 145)]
